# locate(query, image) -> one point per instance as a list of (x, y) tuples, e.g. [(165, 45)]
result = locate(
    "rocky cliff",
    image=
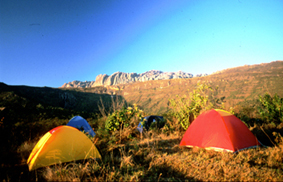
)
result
[(124, 78)]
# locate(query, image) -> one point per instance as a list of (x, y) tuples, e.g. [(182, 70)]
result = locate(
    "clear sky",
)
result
[(49, 43)]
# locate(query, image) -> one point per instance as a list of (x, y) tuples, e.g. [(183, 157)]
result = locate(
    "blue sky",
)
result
[(49, 43)]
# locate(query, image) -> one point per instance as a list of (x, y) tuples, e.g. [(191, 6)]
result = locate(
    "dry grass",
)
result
[(25, 149), (158, 157)]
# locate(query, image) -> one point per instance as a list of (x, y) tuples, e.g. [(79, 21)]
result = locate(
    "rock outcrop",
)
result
[(124, 78), (100, 80), (78, 84)]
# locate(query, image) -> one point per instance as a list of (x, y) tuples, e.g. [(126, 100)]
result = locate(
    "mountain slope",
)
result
[(235, 84), (70, 99)]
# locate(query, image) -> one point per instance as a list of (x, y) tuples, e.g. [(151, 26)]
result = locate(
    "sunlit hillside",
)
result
[(238, 84), (235, 84)]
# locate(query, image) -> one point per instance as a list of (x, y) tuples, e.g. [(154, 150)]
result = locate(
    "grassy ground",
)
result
[(156, 156), (153, 156)]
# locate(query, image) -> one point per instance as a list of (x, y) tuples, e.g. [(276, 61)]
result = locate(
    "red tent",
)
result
[(219, 130)]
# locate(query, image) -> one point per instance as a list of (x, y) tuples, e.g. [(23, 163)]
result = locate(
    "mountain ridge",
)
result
[(124, 78)]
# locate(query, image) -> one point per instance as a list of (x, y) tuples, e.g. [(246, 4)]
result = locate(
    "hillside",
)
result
[(70, 99), (235, 84)]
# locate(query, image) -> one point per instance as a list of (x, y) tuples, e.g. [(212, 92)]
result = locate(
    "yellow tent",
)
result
[(61, 144)]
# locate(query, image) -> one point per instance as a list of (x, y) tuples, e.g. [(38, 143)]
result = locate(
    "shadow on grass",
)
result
[(13, 169), (265, 132), (18, 172)]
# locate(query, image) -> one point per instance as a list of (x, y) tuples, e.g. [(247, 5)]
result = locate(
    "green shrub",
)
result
[(186, 109), (203, 97), (271, 108), (122, 118)]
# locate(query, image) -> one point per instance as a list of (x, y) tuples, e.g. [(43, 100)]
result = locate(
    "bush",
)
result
[(122, 118), (271, 109), (186, 109)]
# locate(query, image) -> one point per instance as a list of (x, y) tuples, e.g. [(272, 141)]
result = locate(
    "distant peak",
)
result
[(125, 78)]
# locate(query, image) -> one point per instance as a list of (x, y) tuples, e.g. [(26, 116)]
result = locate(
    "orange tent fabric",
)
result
[(219, 130), (61, 144)]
